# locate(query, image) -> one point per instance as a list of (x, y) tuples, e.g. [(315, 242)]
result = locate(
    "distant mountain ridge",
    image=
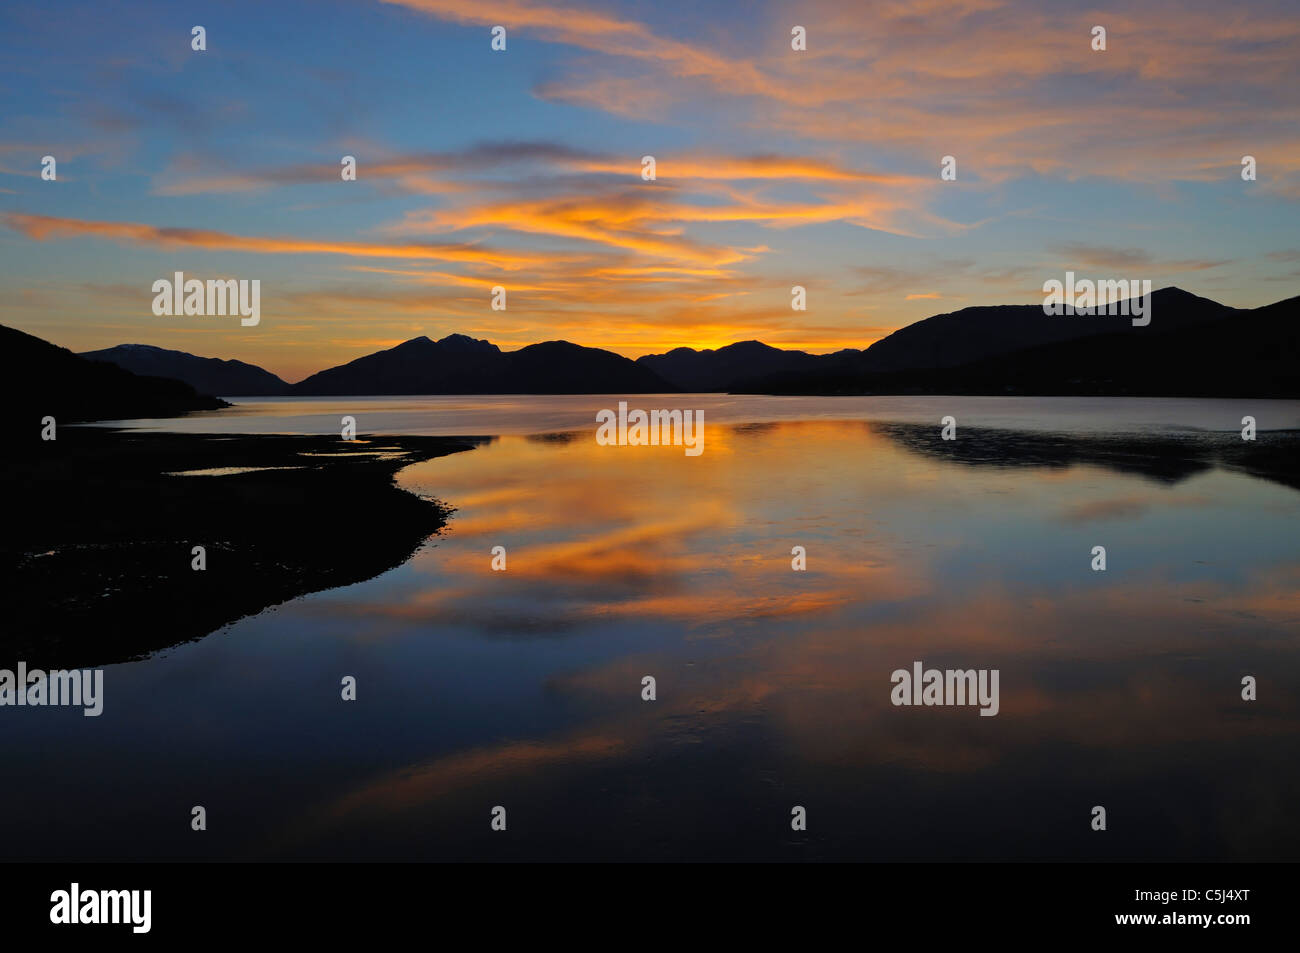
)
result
[(949, 340), (40, 379), (718, 370), (458, 364), (1193, 347), (207, 375), (976, 333), (999, 349)]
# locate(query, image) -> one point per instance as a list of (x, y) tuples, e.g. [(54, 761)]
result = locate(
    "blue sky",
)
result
[(521, 169)]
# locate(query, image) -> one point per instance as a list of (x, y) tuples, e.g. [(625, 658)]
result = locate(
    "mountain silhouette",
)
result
[(462, 365), (1193, 347), (973, 334), (40, 379), (943, 342), (718, 370), (207, 375)]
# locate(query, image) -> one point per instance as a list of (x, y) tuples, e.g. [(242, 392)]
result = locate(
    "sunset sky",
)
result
[(522, 168)]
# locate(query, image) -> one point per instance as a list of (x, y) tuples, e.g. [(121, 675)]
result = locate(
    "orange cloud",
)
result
[(42, 227)]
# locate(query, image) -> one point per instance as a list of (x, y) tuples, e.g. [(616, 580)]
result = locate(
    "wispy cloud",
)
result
[(1011, 86), (43, 227)]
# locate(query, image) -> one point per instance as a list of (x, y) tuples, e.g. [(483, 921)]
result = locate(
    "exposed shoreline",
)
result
[(97, 559)]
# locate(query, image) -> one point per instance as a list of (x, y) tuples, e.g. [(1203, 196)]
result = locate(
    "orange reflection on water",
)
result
[(684, 565)]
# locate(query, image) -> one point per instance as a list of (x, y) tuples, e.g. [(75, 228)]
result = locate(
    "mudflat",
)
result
[(99, 555)]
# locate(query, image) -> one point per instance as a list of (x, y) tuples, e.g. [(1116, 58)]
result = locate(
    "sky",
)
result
[(522, 168)]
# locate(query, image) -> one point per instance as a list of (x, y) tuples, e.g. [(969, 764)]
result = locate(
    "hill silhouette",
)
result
[(462, 365), (718, 370), (1193, 347), (40, 379), (207, 375)]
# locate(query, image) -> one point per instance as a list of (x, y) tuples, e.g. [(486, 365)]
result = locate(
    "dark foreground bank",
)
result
[(98, 557)]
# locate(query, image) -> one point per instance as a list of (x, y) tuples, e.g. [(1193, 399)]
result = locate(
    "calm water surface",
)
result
[(523, 688)]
